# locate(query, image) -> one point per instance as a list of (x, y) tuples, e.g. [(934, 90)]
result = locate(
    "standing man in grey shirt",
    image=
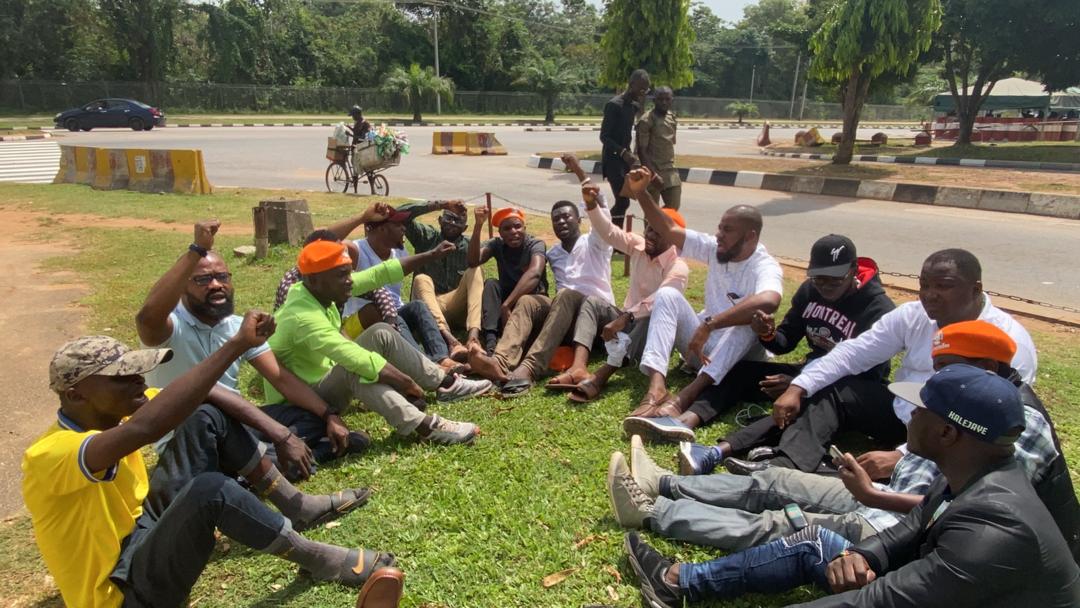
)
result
[(655, 144)]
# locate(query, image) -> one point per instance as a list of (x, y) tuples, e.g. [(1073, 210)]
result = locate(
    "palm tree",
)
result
[(549, 78), (416, 83), (742, 108)]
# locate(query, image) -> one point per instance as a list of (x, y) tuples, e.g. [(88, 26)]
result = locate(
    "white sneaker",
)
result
[(448, 432), (463, 388)]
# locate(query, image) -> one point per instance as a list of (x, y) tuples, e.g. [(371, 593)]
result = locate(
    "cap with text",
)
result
[(831, 256), (978, 401)]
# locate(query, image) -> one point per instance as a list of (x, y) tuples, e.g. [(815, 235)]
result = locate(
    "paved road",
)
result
[(1023, 255)]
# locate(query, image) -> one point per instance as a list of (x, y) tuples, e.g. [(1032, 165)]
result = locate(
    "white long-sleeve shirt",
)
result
[(907, 329)]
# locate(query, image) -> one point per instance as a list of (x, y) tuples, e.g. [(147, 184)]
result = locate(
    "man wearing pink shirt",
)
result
[(654, 263)]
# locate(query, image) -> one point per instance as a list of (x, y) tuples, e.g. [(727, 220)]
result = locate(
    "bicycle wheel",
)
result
[(379, 185), (337, 178)]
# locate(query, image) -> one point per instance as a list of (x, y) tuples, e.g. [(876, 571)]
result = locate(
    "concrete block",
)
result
[(915, 193), (925, 160), (244, 251), (534, 161), (698, 176), (836, 186), (558, 165), (1001, 200), (807, 184), (967, 198), (972, 162), (749, 179), (877, 190), (1055, 205), (723, 178), (775, 181)]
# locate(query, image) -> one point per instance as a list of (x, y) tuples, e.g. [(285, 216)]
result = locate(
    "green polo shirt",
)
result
[(308, 340), (445, 272)]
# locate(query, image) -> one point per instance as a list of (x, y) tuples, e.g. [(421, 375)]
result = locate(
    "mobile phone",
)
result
[(795, 516), (835, 452)]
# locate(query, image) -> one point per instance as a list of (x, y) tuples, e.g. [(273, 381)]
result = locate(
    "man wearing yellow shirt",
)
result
[(379, 368), (109, 535)]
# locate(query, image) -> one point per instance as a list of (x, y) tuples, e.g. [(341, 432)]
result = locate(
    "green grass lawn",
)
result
[(472, 526)]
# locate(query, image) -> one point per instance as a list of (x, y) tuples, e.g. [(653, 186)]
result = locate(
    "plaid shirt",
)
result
[(913, 474)]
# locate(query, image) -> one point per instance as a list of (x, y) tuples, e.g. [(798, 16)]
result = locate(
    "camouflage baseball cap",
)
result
[(101, 356)]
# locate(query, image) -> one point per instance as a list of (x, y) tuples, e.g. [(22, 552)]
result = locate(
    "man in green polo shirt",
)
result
[(452, 291), (380, 368), (656, 148)]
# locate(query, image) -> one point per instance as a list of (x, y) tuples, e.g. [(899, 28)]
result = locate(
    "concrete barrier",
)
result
[(483, 144), (449, 142), (471, 143), (134, 169)]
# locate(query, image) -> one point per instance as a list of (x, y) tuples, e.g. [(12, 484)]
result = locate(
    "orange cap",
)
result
[(562, 359), (675, 217), (974, 340), (504, 214), (321, 256)]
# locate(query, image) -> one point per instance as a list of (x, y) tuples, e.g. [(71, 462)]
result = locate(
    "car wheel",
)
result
[(71, 124), (86, 128), (148, 127), (136, 124)]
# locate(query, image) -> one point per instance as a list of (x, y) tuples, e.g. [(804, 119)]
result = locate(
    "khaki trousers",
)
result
[(340, 386), (460, 307), (551, 321)]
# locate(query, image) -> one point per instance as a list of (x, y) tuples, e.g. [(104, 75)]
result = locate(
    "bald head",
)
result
[(749, 217)]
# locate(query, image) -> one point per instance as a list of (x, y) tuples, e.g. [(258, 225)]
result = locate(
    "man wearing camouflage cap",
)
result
[(109, 534)]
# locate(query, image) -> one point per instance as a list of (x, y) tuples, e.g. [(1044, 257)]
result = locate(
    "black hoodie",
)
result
[(824, 324)]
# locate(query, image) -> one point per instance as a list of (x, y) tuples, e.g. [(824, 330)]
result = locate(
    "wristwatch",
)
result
[(199, 250)]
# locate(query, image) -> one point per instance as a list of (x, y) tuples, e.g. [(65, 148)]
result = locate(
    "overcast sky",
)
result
[(728, 10)]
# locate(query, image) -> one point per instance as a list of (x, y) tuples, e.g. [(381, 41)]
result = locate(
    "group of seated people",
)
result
[(968, 502)]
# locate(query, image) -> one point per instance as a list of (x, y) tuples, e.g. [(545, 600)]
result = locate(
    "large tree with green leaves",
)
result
[(548, 77), (862, 40), (416, 83), (651, 34), (983, 41), (143, 30)]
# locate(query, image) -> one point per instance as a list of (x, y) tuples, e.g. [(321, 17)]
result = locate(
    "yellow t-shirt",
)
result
[(80, 517)]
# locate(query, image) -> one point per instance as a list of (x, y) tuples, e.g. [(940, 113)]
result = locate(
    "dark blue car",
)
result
[(128, 113)]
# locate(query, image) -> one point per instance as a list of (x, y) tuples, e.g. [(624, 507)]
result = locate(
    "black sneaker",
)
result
[(359, 442), (650, 567)]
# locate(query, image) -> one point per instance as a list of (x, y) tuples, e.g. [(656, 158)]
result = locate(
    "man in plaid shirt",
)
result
[(738, 512)]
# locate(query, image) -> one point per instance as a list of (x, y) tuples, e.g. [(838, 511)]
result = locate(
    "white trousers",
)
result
[(673, 323)]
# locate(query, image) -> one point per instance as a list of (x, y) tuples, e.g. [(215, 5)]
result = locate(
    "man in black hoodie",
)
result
[(841, 297)]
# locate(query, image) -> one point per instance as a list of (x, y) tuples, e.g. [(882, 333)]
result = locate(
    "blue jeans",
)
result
[(774, 567), (192, 493), (415, 316)]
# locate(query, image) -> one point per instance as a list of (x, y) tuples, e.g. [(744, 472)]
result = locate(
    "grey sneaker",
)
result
[(449, 432), (646, 472), (629, 504), (463, 388), (660, 429)]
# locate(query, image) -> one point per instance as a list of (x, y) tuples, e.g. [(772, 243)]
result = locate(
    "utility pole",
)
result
[(794, 86), (438, 98), (806, 81), (753, 76)]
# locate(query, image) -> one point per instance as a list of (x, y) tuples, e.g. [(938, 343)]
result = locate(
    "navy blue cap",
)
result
[(976, 400)]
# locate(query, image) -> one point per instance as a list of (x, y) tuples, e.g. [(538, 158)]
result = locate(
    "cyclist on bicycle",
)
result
[(360, 127)]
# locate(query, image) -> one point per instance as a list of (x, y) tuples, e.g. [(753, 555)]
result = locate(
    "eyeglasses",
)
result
[(820, 280), (202, 280)]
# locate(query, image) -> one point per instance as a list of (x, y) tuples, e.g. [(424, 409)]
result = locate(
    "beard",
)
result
[(732, 252), (207, 309)]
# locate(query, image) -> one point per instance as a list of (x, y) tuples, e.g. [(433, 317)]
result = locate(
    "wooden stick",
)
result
[(491, 227), (626, 256)]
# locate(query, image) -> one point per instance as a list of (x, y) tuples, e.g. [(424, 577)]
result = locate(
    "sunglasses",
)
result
[(202, 280)]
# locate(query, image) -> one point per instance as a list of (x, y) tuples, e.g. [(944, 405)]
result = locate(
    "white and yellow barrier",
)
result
[(133, 169)]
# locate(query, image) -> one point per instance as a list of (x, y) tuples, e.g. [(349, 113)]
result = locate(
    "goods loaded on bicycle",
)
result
[(362, 154)]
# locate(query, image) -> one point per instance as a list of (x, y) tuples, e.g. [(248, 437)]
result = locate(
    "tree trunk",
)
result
[(854, 95), (549, 110), (739, 115), (416, 118)]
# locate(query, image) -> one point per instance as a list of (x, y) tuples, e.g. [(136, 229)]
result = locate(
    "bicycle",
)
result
[(340, 173)]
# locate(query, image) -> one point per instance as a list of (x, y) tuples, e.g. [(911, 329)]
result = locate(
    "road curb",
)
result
[(529, 125), (931, 160), (1062, 206), (25, 137)]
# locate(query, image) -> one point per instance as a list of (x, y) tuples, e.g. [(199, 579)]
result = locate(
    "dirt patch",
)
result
[(38, 312), (37, 219)]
